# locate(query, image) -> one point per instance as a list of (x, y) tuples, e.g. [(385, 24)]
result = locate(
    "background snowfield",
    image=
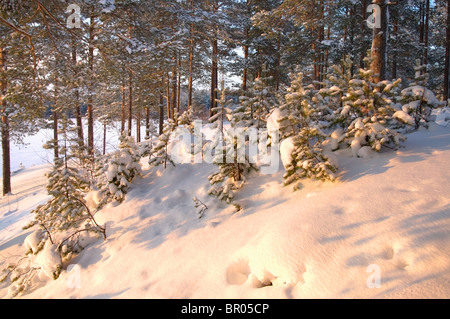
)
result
[(392, 211)]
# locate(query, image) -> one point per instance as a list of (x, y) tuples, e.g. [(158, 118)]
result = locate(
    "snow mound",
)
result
[(50, 261), (274, 120), (286, 149), (443, 116), (33, 241), (272, 259)]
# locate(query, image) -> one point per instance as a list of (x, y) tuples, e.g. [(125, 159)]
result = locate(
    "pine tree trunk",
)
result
[(130, 103), (55, 125), (278, 64), (161, 112), (191, 61), (245, 71), (138, 126), (426, 34), (122, 107), (214, 76), (363, 27), (179, 86), (6, 154), (147, 123), (78, 114), (378, 50), (447, 56), (90, 110), (394, 53), (174, 87), (104, 138), (169, 109)]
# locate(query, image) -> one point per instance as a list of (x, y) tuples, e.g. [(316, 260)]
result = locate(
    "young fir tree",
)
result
[(121, 169), (304, 156), (417, 99), (61, 221), (230, 154), (255, 107), (159, 154), (368, 112)]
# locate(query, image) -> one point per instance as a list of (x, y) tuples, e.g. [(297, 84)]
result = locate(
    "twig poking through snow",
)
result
[(203, 207)]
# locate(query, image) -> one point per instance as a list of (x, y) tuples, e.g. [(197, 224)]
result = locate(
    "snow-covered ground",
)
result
[(381, 231)]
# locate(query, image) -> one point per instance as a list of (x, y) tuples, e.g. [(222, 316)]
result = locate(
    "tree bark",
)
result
[(378, 51), (138, 125), (78, 114), (55, 124), (394, 53), (191, 61), (6, 154), (104, 138), (90, 110), (245, 71), (214, 75), (179, 85), (174, 87), (147, 123), (426, 33), (169, 109), (122, 107), (161, 112), (130, 103)]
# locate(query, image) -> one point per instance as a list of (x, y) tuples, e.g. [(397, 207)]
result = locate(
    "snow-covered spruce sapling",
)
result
[(296, 108), (159, 154), (230, 155), (301, 150), (368, 113), (307, 159), (418, 101), (61, 222), (256, 105), (122, 168)]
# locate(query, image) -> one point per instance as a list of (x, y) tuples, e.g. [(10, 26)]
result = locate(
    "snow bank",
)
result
[(286, 149), (442, 116), (32, 242), (50, 261)]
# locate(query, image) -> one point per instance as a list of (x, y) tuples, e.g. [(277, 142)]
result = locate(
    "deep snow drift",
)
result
[(386, 218)]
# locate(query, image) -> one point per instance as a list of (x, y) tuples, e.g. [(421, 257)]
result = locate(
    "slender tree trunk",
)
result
[(245, 71), (130, 103), (179, 85), (78, 115), (426, 33), (104, 138), (138, 125), (161, 112), (90, 109), (122, 107), (55, 124), (6, 154), (191, 61), (363, 29), (394, 53), (447, 56), (378, 51), (147, 123), (169, 109), (174, 87), (214, 75), (278, 64)]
